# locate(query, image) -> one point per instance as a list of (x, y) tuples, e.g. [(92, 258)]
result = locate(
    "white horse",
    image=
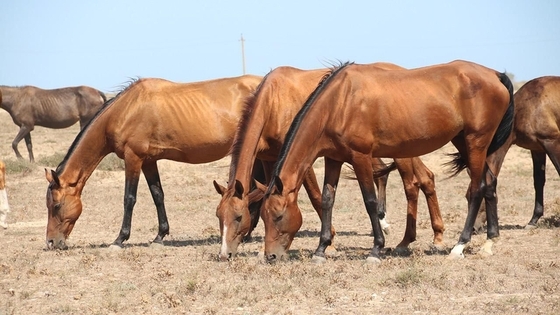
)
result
[(4, 206)]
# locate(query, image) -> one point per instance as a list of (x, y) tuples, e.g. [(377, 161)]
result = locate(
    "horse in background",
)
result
[(149, 120), (266, 120), (4, 205), (31, 106), (536, 127), (360, 111)]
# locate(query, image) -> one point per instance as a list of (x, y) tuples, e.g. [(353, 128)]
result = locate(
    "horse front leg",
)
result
[(150, 170), (332, 175), (132, 174), (381, 184)]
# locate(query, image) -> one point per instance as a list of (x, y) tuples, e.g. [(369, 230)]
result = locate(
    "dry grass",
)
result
[(185, 276)]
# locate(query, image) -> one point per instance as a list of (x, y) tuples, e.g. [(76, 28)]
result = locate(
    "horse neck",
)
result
[(247, 152), (306, 146), (8, 97), (87, 151)]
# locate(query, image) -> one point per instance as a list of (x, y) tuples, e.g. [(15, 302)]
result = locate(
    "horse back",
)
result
[(537, 112)]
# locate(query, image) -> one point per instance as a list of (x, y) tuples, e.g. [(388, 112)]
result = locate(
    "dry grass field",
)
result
[(184, 277)]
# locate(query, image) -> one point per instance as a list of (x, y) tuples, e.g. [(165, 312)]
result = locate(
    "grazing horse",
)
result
[(536, 128), (267, 117), (30, 106), (4, 206), (360, 111), (151, 119)]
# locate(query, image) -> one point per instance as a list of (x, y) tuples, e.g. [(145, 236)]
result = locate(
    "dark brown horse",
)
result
[(151, 119), (359, 112), (536, 128), (267, 117), (30, 106)]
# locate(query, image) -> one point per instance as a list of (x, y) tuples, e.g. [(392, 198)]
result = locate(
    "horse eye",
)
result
[(238, 218), (278, 218), (57, 207)]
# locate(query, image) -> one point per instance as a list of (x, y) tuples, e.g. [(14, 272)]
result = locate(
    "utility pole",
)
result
[(242, 40)]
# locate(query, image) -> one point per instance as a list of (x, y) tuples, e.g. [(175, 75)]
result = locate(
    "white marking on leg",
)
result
[(458, 250), (384, 225), (4, 208)]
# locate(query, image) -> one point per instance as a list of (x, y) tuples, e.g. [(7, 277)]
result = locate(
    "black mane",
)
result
[(106, 105), (235, 150), (290, 135)]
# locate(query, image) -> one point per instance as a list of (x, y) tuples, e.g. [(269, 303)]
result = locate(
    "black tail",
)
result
[(458, 163)]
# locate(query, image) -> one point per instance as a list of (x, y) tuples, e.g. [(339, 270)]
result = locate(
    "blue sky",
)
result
[(102, 43)]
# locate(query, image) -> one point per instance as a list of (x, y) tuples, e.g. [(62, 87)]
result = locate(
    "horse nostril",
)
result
[(50, 244), (229, 255), (271, 258)]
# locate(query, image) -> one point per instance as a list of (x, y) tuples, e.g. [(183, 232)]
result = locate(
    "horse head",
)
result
[(234, 216), (282, 219), (64, 208)]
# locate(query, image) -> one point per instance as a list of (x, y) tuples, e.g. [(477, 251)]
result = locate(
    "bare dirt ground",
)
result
[(184, 277)]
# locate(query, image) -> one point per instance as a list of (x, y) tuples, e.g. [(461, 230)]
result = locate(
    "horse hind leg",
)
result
[(552, 149), (539, 179), (426, 180), (29, 147), (23, 132), (151, 173)]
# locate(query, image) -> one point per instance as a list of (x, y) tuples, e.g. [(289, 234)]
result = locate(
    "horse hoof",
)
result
[(530, 227), (438, 247), (114, 247), (373, 260), (486, 249), (454, 256), (156, 245), (402, 251), (318, 260), (331, 252)]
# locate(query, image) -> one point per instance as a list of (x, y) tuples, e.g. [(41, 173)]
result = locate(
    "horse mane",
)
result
[(123, 88), (242, 126), (290, 135)]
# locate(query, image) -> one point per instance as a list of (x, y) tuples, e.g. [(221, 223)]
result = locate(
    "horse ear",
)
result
[(256, 195), (279, 185), (219, 188), (51, 176), (260, 186), (238, 189)]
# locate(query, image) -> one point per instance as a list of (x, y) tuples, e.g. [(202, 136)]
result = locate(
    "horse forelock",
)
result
[(124, 87), (296, 123), (242, 127)]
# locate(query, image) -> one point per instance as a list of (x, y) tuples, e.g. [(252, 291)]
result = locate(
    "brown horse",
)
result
[(30, 106), (267, 117), (359, 112), (151, 119), (536, 128)]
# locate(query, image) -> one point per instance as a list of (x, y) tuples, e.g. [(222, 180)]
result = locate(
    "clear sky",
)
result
[(103, 44)]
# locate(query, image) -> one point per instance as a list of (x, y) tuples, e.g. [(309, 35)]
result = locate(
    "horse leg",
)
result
[(426, 179), (22, 133), (381, 184), (539, 178), (332, 175), (411, 190), (475, 193), (132, 174), (312, 189), (552, 149), (364, 173), (29, 147), (150, 170)]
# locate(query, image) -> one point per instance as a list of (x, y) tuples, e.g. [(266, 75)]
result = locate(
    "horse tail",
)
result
[(459, 163)]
